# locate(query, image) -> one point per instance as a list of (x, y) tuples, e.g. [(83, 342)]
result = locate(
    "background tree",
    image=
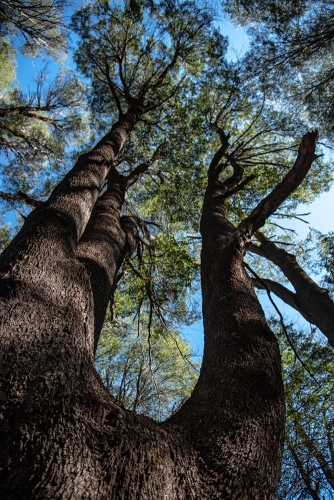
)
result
[(36, 131), (38, 25), (309, 299), (148, 374), (293, 42), (308, 458), (38, 127)]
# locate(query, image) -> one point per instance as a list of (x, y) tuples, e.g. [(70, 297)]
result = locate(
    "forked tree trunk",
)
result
[(62, 435)]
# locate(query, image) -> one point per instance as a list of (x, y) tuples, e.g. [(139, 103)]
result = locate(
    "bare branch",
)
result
[(135, 175), (112, 89), (282, 293), (20, 196), (216, 167)]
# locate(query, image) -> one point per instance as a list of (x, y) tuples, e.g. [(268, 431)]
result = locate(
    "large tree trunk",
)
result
[(62, 435), (236, 414)]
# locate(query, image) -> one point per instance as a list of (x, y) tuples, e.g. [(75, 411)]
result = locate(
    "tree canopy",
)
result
[(38, 25), (294, 40)]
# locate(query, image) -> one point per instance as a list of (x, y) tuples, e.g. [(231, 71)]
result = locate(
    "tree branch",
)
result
[(303, 472), (312, 299), (281, 321), (306, 156), (135, 175), (112, 89), (310, 445), (23, 110), (282, 293), (216, 167), (21, 196), (18, 134)]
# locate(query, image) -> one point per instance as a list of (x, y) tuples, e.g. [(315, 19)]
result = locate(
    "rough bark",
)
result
[(235, 415), (62, 435), (312, 301), (305, 157), (106, 242)]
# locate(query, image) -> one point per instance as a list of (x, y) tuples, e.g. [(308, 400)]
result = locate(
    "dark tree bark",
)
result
[(62, 435), (312, 301)]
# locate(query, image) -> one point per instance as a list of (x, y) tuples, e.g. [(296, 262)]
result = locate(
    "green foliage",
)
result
[(294, 42), (142, 357), (263, 139), (272, 12), (5, 236), (7, 67), (148, 373), (324, 262), (139, 60), (37, 128), (36, 131)]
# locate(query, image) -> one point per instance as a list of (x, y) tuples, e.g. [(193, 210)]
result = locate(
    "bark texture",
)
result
[(62, 435), (235, 415), (106, 242)]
